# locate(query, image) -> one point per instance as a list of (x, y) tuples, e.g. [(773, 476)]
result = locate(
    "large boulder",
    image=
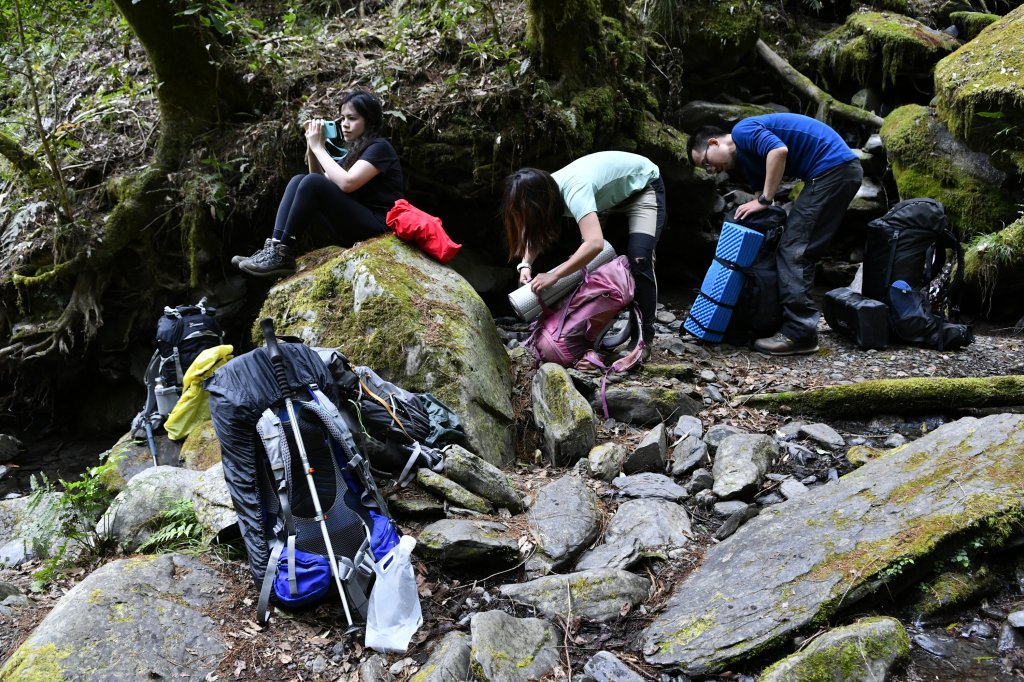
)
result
[(416, 322)]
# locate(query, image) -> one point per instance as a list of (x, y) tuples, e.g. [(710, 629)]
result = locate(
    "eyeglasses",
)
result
[(704, 161)]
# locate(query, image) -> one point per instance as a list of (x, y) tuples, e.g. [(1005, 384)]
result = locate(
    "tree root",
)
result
[(82, 314)]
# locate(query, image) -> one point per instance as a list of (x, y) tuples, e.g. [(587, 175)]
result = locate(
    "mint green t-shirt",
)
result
[(603, 180)]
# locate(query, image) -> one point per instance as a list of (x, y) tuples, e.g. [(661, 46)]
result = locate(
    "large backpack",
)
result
[(578, 324), (287, 541), (909, 243), (758, 312)]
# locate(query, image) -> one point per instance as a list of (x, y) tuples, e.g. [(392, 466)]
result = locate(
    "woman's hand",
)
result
[(524, 275), (542, 282), (314, 134)]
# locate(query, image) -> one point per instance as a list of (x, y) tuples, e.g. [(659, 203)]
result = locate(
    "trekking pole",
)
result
[(277, 360)]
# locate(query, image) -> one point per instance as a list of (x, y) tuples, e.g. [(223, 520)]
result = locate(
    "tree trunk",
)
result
[(568, 41), (896, 396)]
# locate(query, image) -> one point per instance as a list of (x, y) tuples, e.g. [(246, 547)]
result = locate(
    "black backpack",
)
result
[(913, 323), (758, 312), (909, 243)]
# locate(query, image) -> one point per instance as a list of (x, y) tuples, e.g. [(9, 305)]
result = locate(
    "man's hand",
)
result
[(542, 282), (750, 208)]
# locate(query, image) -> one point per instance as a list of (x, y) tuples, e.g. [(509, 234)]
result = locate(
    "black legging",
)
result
[(313, 197)]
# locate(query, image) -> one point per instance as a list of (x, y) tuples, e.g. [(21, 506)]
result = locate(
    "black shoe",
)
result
[(237, 260), (780, 344), (273, 262)]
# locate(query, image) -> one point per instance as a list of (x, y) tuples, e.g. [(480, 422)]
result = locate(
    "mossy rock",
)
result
[(714, 36), (927, 161), (995, 262), (201, 449), (414, 321), (952, 589), (980, 89), (970, 24), (881, 49)]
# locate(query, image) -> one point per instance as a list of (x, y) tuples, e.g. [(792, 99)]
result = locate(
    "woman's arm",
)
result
[(593, 242), (349, 180)]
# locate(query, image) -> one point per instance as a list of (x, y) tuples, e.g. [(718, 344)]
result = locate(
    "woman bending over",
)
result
[(349, 199), (535, 201)]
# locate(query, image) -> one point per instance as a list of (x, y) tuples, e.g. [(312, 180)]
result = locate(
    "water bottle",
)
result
[(394, 612), (166, 396)]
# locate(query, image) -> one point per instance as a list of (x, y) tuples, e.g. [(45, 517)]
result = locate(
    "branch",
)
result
[(827, 104), (21, 159)]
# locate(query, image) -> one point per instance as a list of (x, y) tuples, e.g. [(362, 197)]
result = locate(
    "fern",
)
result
[(176, 529)]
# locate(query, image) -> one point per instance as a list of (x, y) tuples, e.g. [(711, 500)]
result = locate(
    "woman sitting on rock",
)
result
[(535, 202), (349, 198)]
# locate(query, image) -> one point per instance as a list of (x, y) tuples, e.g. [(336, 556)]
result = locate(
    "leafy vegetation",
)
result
[(176, 529)]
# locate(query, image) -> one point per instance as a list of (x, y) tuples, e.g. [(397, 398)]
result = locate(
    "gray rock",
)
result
[(644, 405), (649, 485), (865, 650), (28, 532), (605, 667), (481, 477), (605, 461), (719, 432), (654, 522), (688, 425), (447, 489), (151, 492), (836, 543), (566, 518), (1016, 619), (894, 440), (9, 446), (729, 507), (735, 520), (1009, 639), (449, 661), (824, 434), (649, 455), (130, 619), (935, 645), (8, 589), (741, 463), (133, 458), (688, 454), (700, 480), (563, 415), (791, 489), (477, 546), (375, 669), (622, 554), (596, 595), (16, 601), (509, 649), (789, 431), (214, 508)]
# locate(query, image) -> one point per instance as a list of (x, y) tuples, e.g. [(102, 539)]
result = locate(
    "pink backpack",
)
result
[(565, 334)]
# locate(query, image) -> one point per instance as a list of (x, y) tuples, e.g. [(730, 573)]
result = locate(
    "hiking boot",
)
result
[(237, 260), (273, 262), (780, 344)]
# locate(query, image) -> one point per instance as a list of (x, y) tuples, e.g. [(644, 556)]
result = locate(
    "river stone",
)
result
[(701, 479), (654, 522), (596, 595), (448, 662), (800, 561), (622, 554), (729, 507), (21, 528), (375, 669), (566, 518), (564, 417), (146, 496), (509, 649), (649, 455), (479, 476), (824, 434), (649, 485), (416, 322), (719, 432), (741, 462), (605, 667), (478, 546), (450, 490), (132, 619), (605, 461), (416, 508), (214, 508), (951, 589), (791, 488), (643, 405), (688, 454), (1016, 619), (688, 425), (735, 520), (864, 650)]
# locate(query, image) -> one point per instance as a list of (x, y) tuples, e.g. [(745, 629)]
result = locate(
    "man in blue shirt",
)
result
[(766, 148)]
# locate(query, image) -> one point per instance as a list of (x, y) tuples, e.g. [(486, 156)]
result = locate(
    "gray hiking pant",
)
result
[(812, 224)]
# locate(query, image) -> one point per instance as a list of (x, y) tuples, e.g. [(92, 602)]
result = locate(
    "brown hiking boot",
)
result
[(780, 344)]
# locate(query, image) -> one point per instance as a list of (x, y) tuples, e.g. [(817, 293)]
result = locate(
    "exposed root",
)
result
[(82, 315)]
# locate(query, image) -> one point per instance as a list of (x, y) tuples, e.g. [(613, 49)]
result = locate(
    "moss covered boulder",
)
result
[(980, 90), (881, 49), (713, 36), (414, 321), (927, 161), (995, 262)]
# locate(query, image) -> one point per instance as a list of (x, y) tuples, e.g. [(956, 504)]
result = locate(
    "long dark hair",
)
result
[(531, 210), (368, 106)]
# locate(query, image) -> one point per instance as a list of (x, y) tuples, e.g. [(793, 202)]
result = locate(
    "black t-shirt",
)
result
[(381, 193)]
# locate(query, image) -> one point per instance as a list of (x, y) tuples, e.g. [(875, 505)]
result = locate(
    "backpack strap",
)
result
[(275, 443), (894, 242), (263, 606)]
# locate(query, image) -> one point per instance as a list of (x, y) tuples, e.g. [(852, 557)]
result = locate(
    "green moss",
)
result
[(670, 371), (201, 449), (995, 257), (845, 660), (35, 664), (951, 589), (690, 629), (970, 24)]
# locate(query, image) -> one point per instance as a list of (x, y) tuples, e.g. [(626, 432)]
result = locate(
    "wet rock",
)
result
[(655, 523), (448, 661), (1009, 639), (509, 649), (478, 546), (622, 554), (979, 628), (954, 588), (566, 518), (146, 496), (741, 462), (824, 434), (688, 425), (564, 417), (605, 667), (865, 650), (605, 461), (643, 405), (688, 454), (598, 595), (649, 455), (479, 476), (448, 489), (649, 485), (719, 432), (934, 644)]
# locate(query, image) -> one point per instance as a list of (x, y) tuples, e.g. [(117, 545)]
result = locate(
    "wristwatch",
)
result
[(764, 201)]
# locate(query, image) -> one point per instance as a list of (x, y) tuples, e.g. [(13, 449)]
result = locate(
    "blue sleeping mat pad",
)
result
[(711, 311)]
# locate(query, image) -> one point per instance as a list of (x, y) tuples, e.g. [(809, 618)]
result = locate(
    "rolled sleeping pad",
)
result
[(526, 303)]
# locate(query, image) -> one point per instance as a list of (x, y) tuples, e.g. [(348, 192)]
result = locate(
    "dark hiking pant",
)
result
[(313, 199), (811, 226)]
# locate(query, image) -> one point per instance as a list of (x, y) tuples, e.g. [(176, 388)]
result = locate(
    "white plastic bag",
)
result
[(394, 612)]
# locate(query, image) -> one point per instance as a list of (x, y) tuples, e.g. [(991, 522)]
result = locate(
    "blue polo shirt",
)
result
[(814, 148)]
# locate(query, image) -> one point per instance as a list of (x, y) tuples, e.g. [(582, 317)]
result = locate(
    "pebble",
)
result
[(933, 645)]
